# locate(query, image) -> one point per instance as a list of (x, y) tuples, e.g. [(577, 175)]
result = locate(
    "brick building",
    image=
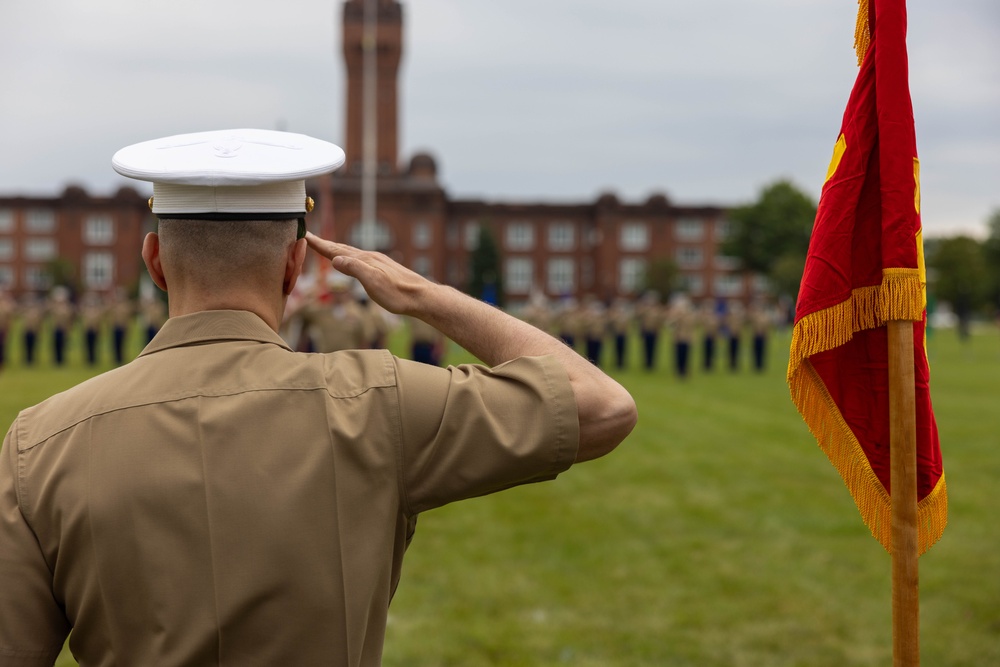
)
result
[(90, 242)]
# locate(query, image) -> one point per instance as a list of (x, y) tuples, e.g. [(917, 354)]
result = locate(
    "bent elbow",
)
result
[(601, 434), (625, 419)]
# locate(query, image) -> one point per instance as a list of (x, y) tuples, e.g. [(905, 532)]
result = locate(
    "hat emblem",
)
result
[(228, 147)]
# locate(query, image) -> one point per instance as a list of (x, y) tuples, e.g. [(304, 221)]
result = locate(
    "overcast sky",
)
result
[(519, 100)]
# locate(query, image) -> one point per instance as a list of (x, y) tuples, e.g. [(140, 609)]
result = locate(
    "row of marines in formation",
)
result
[(57, 315), (330, 314), (589, 325)]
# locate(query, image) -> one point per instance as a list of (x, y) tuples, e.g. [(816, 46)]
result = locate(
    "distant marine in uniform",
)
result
[(62, 316), (650, 316), (709, 320), (91, 319), (682, 320), (620, 318), (32, 315), (8, 309)]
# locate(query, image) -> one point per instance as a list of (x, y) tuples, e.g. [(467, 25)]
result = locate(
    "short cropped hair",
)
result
[(217, 253)]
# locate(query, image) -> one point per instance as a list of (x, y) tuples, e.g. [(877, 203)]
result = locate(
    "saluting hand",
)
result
[(390, 284)]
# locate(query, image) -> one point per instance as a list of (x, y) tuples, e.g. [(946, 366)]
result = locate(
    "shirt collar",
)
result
[(212, 326)]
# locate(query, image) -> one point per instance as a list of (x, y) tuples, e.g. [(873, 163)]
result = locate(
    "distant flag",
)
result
[(865, 267)]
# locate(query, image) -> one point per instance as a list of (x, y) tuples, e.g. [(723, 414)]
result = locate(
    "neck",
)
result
[(269, 310)]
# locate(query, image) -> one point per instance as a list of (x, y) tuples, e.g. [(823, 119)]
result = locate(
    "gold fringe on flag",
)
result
[(898, 297), (862, 32)]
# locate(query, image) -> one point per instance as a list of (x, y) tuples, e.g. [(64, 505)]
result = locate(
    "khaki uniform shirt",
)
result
[(682, 319), (120, 312), (222, 500), (621, 320), (650, 316), (62, 314), (7, 310)]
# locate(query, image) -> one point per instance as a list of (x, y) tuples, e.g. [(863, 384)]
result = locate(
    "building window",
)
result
[(39, 250), (36, 278), (587, 272), (635, 236), (98, 270), (520, 236), (423, 235), (99, 230), (561, 278), (41, 221), (729, 284), (519, 275), (6, 277), (456, 275), (723, 229), (562, 236), (760, 284), (451, 234), (693, 284), (631, 274), (690, 229), (6, 250), (471, 235), (369, 235), (423, 265), (6, 220), (688, 257)]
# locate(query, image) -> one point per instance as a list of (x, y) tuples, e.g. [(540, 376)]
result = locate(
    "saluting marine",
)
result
[(223, 499)]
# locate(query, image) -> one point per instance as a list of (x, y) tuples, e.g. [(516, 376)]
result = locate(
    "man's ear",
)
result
[(151, 256), (293, 265)]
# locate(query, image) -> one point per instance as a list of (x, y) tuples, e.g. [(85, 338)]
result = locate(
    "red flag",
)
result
[(865, 267)]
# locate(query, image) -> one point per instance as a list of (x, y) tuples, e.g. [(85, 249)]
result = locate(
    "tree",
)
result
[(786, 273), (991, 253), (959, 276), (486, 280), (61, 271), (771, 236), (661, 277)]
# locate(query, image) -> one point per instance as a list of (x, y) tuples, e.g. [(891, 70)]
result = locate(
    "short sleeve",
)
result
[(33, 627), (470, 430)]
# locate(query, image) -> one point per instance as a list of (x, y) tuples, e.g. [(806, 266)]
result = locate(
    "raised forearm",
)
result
[(605, 409)]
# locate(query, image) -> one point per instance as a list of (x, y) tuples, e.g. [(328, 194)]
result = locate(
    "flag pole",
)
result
[(903, 481)]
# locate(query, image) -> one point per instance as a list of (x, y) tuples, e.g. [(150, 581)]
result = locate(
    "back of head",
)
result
[(221, 254)]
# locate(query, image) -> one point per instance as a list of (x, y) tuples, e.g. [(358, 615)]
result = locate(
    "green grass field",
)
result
[(717, 534)]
